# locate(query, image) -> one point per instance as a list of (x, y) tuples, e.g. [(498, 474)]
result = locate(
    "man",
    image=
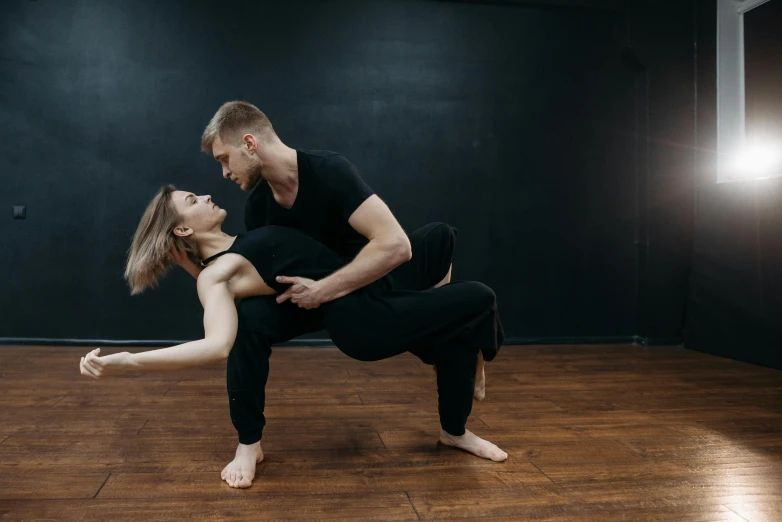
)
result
[(321, 194)]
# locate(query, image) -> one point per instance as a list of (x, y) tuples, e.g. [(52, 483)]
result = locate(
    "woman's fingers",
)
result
[(93, 364), (87, 370), (93, 361)]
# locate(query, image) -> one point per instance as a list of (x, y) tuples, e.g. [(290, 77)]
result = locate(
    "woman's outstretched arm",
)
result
[(220, 325)]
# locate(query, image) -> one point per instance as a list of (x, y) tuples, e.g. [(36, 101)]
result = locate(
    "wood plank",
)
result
[(521, 439), (75, 422), (36, 485), (235, 505), (65, 443), (551, 504), (43, 510), (273, 439), (428, 422)]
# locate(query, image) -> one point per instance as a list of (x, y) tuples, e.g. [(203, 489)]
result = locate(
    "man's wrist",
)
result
[(326, 289), (323, 290)]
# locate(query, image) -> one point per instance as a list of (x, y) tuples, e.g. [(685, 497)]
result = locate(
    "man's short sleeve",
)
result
[(345, 185)]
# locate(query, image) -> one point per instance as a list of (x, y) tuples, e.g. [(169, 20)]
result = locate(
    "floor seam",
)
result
[(544, 473), (741, 517), (101, 486), (413, 505)]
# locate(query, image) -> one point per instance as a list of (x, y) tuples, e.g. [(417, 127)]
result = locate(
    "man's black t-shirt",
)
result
[(330, 190)]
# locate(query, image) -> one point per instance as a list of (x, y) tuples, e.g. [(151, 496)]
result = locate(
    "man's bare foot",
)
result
[(480, 379), (472, 443), (239, 473)]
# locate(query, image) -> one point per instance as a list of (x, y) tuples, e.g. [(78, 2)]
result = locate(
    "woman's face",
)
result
[(198, 212)]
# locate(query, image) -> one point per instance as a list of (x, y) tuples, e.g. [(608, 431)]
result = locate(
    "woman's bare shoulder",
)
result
[(223, 268)]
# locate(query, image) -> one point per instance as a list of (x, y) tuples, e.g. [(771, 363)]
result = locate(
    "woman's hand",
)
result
[(97, 367)]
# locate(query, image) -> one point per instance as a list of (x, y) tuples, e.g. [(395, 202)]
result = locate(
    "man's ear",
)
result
[(250, 143), (183, 231)]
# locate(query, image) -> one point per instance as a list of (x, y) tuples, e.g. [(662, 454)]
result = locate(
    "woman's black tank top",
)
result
[(276, 251)]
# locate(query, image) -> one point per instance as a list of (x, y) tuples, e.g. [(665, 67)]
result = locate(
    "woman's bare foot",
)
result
[(239, 473), (480, 379), (472, 443)]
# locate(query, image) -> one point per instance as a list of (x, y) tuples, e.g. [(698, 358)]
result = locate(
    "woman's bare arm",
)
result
[(220, 325)]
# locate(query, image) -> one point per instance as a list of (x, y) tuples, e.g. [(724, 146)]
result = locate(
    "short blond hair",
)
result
[(148, 257), (235, 119)]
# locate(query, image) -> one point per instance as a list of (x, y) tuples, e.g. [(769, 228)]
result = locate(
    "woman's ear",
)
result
[(183, 231)]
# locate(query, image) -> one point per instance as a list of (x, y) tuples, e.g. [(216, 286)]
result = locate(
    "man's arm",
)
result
[(357, 204), (388, 248)]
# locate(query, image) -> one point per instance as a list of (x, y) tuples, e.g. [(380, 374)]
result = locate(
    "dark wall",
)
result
[(735, 304), (566, 167), (663, 40)]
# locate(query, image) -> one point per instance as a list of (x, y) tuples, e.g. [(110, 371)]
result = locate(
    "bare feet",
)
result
[(472, 443), (239, 473), (480, 379)]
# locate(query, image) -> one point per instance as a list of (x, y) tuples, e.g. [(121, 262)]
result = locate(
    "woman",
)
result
[(445, 326)]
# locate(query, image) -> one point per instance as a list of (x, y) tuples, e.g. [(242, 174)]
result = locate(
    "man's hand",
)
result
[(97, 367), (304, 292)]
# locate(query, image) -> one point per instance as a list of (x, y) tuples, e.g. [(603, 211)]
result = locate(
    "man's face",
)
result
[(238, 164)]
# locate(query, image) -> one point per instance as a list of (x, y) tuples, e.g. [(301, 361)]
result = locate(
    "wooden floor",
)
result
[(594, 433)]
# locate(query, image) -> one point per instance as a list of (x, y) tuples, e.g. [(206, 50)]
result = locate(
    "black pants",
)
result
[(445, 327), (447, 339)]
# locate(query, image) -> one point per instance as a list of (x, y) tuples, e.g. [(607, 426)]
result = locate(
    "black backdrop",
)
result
[(559, 140)]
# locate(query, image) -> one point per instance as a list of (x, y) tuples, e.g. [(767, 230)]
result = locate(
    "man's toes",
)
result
[(499, 456)]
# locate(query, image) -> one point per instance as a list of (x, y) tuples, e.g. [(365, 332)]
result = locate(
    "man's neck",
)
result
[(281, 167), (281, 171)]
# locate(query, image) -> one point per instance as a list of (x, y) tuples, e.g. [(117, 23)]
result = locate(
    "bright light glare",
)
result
[(758, 160)]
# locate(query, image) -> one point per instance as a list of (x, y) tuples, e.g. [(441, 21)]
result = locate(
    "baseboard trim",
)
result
[(511, 341), (659, 341)]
